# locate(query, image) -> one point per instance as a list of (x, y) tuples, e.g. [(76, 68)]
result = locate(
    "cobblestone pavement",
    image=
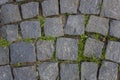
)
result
[(59, 39)]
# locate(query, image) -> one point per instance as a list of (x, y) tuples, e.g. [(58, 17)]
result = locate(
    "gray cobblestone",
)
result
[(5, 1)]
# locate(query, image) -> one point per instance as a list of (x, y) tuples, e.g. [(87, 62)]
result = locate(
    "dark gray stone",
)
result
[(75, 25), (69, 72), (22, 52), (53, 27), (48, 71), (67, 49), (30, 10), (93, 48), (98, 25), (108, 71), (45, 50), (90, 6), (10, 32), (69, 6), (19, 0), (5, 73), (111, 9), (89, 71), (25, 73), (5, 1), (115, 28), (50, 7), (113, 51), (30, 29), (10, 13), (4, 56)]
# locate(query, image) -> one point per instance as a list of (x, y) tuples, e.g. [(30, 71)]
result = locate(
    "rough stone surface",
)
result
[(10, 13), (5, 73), (48, 71), (50, 7), (89, 71), (66, 49), (53, 27), (115, 28), (69, 6), (10, 32), (45, 50), (75, 25), (90, 6), (113, 51), (5, 1), (30, 29), (93, 48), (19, 0), (98, 25), (4, 56), (25, 73), (111, 9), (22, 52), (69, 72), (30, 9), (108, 71)]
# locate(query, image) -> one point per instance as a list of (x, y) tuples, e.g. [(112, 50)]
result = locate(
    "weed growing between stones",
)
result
[(111, 38), (86, 18), (4, 43), (47, 38), (28, 40), (42, 21)]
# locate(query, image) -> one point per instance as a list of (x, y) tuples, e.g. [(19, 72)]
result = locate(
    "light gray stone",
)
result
[(93, 48), (45, 50), (5, 1), (89, 71), (10, 13), (69, 72), (22, 52), (50, 7), (30, 29), (53, 27), (69, 6), (75, 25), (98, 25), (48, 71), (108, 71), (25, 73), (90, 6), (5, 73), (67, 49)]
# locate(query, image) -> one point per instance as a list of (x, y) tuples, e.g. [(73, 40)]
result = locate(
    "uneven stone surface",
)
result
[(66, 49), (75, 25), (5, 1), (48, 71), (89, 71), (98, 25), (108, 71), (69, 72), (93, 48), (50, 7), (22, 52)]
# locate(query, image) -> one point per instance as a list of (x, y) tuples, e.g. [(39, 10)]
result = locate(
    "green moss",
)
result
[(4, 43), (54, 57), (95, 59), (86, 18), (42, 20), (119, 68), (113, 38), (96, 36), (100, 6), (67, 14), (28, 40), (47, 38), (17, 65)]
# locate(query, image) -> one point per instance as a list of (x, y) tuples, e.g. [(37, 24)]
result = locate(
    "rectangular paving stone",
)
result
[(93, 48), (69, 72), (113, 51), (25, 73), (111, 9), (5, 73), (30, 10), (67, 49), (90, 6), (89, 71), (74, 25), (4, 56), (5, 1), (108, 71), (22, 52), (98, 25), (10, 32), (10, 13), (48, 71), (53, 27), (30, 29), (50, 7), (45, 49), (69, 6)]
